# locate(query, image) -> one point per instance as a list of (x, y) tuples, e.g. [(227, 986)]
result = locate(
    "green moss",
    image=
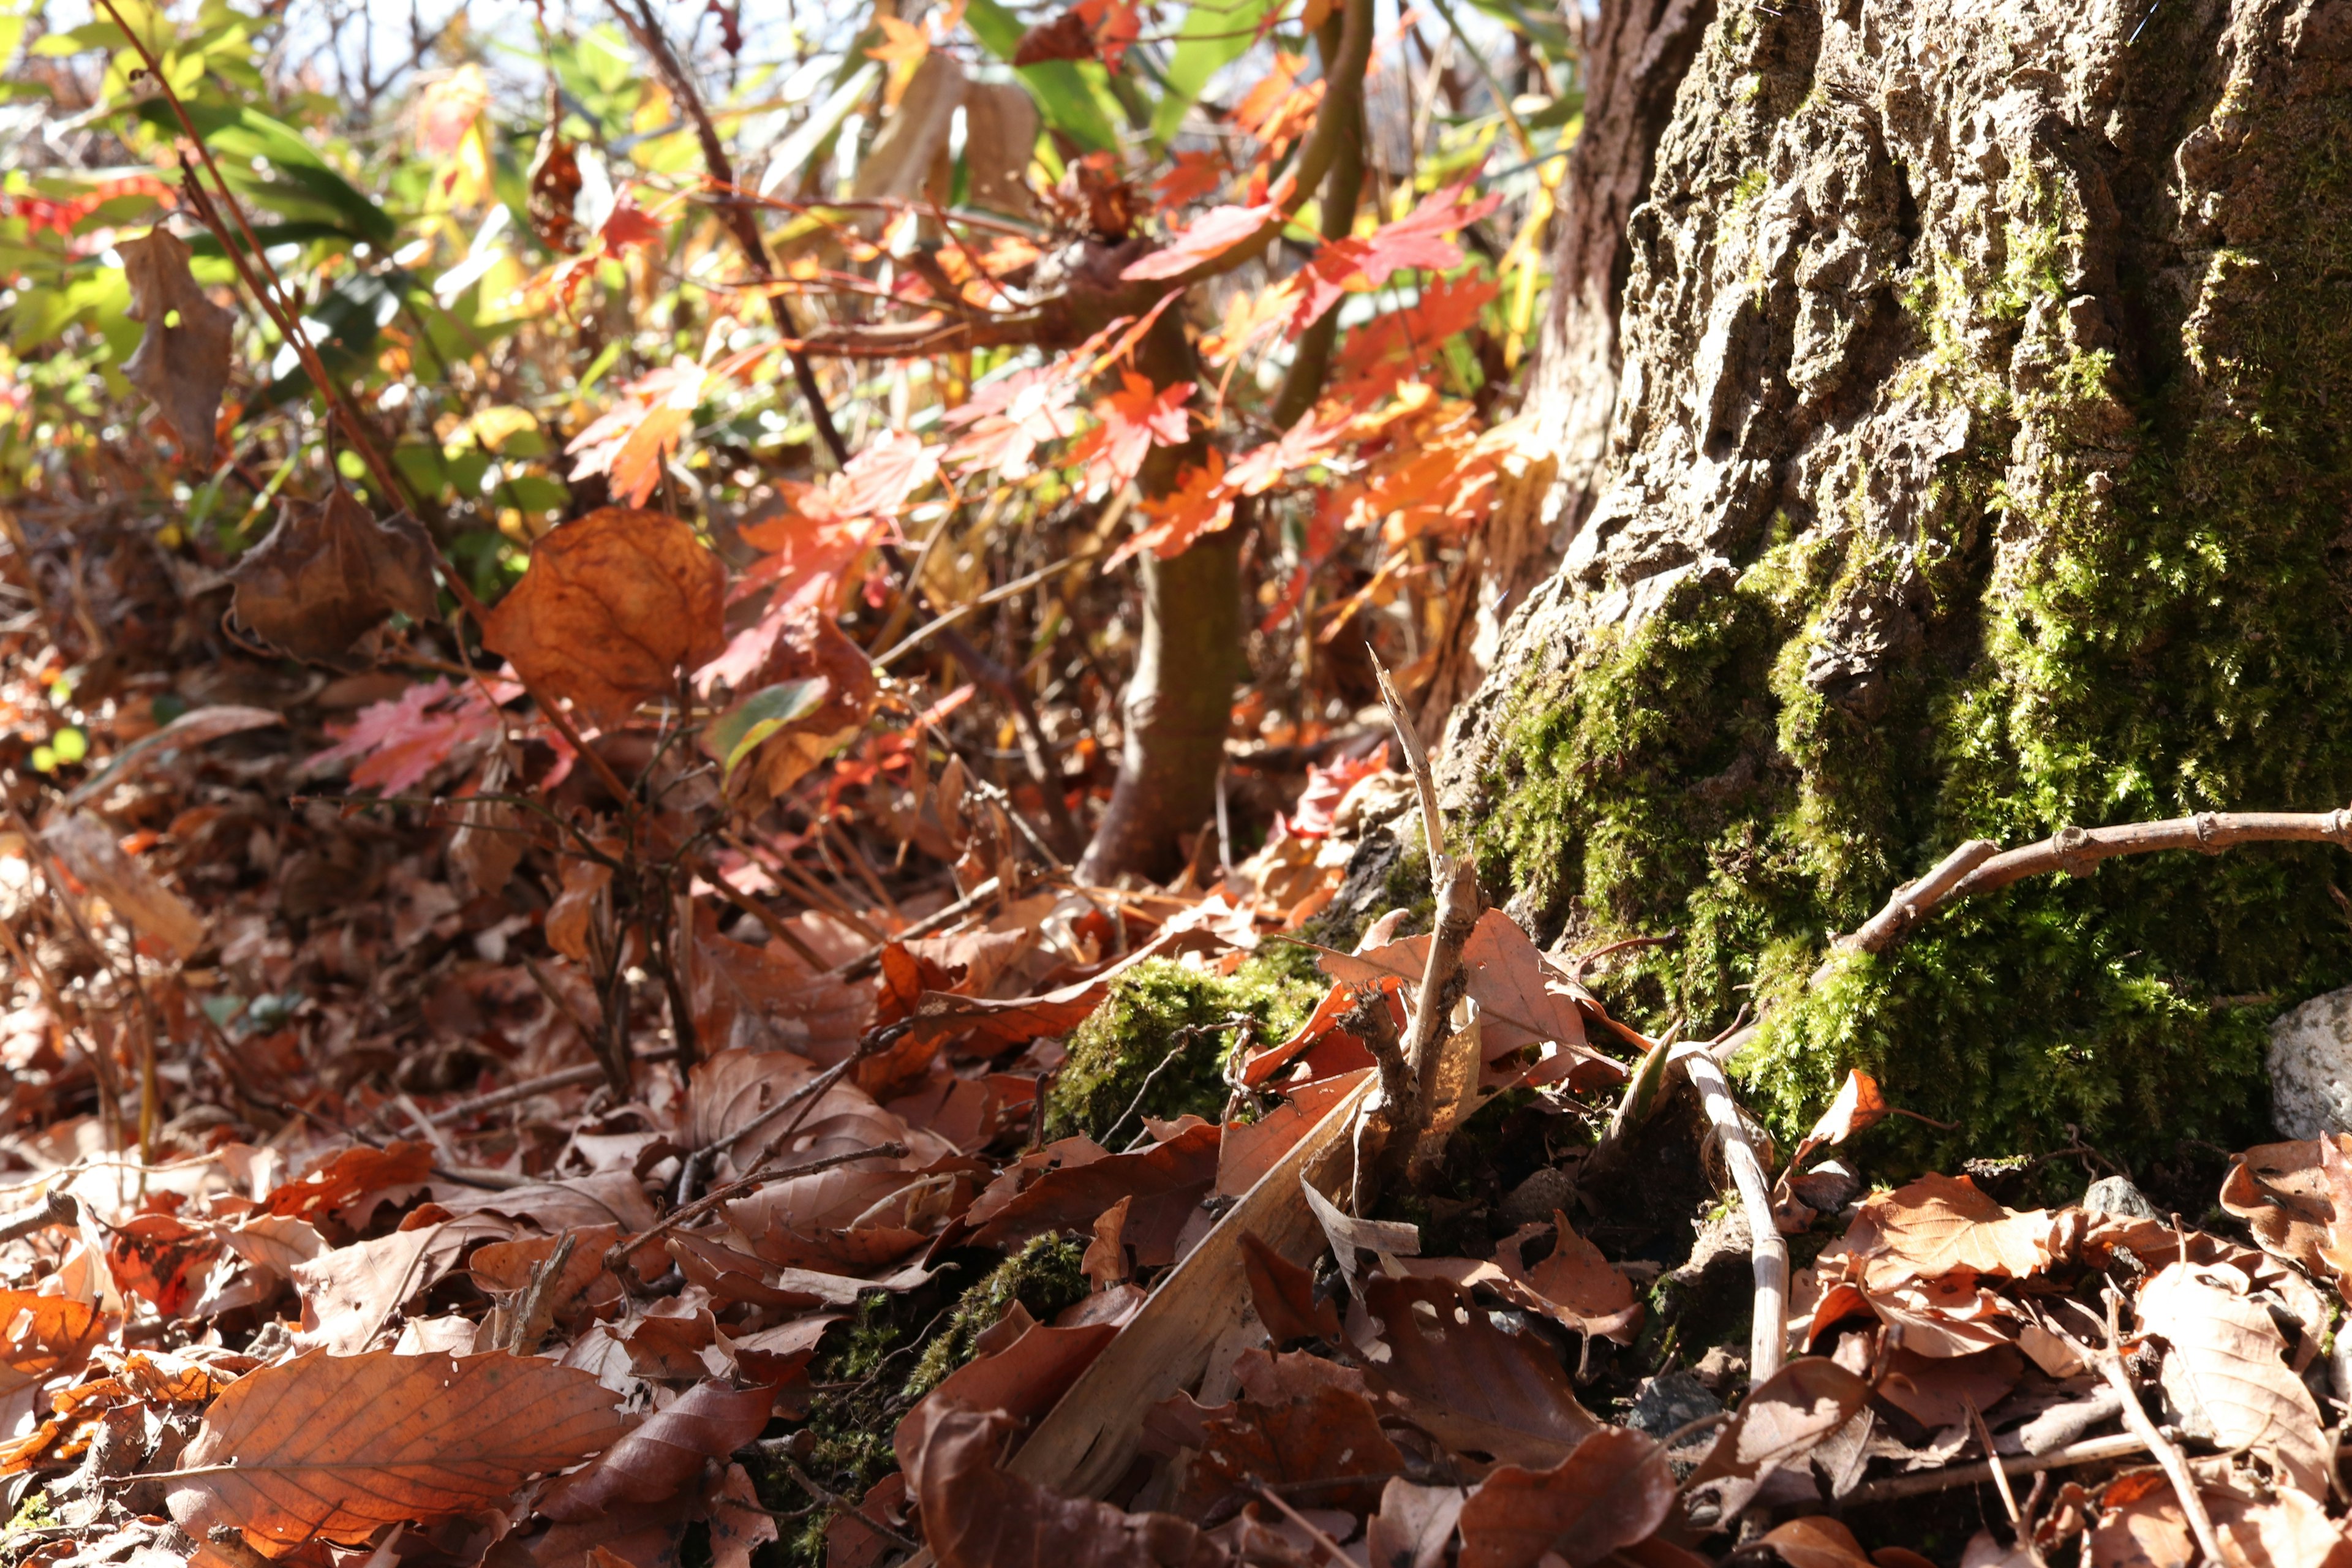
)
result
[(1044, 1277), (2168, 630), (898, 1347), (1162, 1012)]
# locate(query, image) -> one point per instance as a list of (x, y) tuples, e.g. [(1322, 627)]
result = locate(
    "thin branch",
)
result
[(759, 1176), (2168, 1454), (736, 212), (2089, 1451), (1767, 1337), (56, 1209)]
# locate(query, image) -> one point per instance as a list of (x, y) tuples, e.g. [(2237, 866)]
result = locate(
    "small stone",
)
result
[(2117, 1197), (1720, 1368), (1668, 1403), (1537, 1199), (2311, 1067)]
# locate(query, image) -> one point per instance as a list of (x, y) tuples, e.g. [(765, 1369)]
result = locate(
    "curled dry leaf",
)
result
[(663, 1453), (88, 848), (1939, 1224), (1166, 1182), (183, 358), (2226, 1369), (616, 607), (333, 1448), (1470, 1382), (1414, 1525), (1798, 1409), (329, 574), (976, 1515), (814, 693), (1615, 1489), (1284, 1293)]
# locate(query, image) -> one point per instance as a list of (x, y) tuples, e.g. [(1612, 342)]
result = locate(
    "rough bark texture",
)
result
[(1636, 52), (1980, 467)]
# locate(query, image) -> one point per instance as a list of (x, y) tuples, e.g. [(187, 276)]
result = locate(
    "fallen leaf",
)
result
[(329, 574), (1939, 1224), (1613, 1491), (1575, 1285), (1323, 1434), (182, 361), (1470, 1382), (1284, 1297), (616, 607), (1414, 1525), (46, 1335), (2226, 1369), (976, 1515), (662, 1454), (1797, 1410), (1165, 1184), (89, 850), (333, 1448)]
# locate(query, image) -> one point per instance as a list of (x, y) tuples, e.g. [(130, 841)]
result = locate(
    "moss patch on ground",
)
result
[(897, 1348), (1175, 1026), (2133, 599)]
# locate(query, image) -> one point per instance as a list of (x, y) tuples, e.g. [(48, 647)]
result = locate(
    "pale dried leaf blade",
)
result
[(334, 1447), (182, 361), (86, 847), (2226, 1370), (1858, 1107), (329, 574)]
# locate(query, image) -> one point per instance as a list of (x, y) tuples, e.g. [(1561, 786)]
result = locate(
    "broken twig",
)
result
[(1767, 1339)]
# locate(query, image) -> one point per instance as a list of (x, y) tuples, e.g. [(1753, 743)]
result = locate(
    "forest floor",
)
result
[(568, 1181)]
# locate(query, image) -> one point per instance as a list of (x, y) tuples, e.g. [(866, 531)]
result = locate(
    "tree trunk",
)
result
[(1980, 467), (1635, 54)]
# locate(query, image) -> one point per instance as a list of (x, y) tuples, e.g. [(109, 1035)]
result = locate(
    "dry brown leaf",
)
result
[(1798, 1409), (1321, 1433), (1816, 1542), (89, 850), (2282, 1193), (975, 1515), (1937, 1391), (1576, 1286), (352, 1174), (1615, 1489), (1472, 1383), (329, 574), (46, 1335), (1023, 1367), (616, 607), (182, 361), (767, 999), (1283, 1294), (1415, 1526), (333, 1448), (2227, 1373), (1000, 138), (1939, 1224), (1165, 1184), (663, 1453), (1522, 1001)]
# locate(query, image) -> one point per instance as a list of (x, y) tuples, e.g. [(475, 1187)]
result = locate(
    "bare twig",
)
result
[(1918, 900), (2090, 1451), (2168, 1454), (1768, 1339), (780, 1451), (569, 1078), (56, 1209), (1323, 1541), (1456, 884), (865, 962), (758, 1177)]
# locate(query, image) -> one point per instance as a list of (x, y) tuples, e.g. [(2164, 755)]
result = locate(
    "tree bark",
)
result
[(1978, 468), (1635, 54)]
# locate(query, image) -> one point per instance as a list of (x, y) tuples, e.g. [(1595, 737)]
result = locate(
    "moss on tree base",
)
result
[(1971, 493)]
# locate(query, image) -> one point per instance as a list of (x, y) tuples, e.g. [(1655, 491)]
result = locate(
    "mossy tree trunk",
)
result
[(1980, 465)]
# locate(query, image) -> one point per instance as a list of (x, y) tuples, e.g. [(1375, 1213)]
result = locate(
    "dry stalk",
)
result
[(2168, 1454), (1767, 1339)]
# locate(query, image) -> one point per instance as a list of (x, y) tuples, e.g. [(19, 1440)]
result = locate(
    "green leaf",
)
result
[(737, 733), (1067, 95), (305, 187), (1214, 33)]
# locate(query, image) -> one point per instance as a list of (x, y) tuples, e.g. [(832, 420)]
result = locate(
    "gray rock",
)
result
[(1535, 1200), (2311, 1067), (2117, 1197), (1667, 1404)]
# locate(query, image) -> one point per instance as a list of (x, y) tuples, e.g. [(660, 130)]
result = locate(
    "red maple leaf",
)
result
[(1005, 419), (1327, 786), (1191, 176), (1422, 239), (1132, 419), (1114, 26), (1277, 109), (630, 441), (1388, 349), (393, 745), (1202, 504), (1207, 238), (630, 224), (879, 479), (1304, 445)]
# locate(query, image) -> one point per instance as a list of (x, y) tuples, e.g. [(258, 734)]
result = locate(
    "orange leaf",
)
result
[(903, 43), (335, 1448), (1201, 504), (614, 608)]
